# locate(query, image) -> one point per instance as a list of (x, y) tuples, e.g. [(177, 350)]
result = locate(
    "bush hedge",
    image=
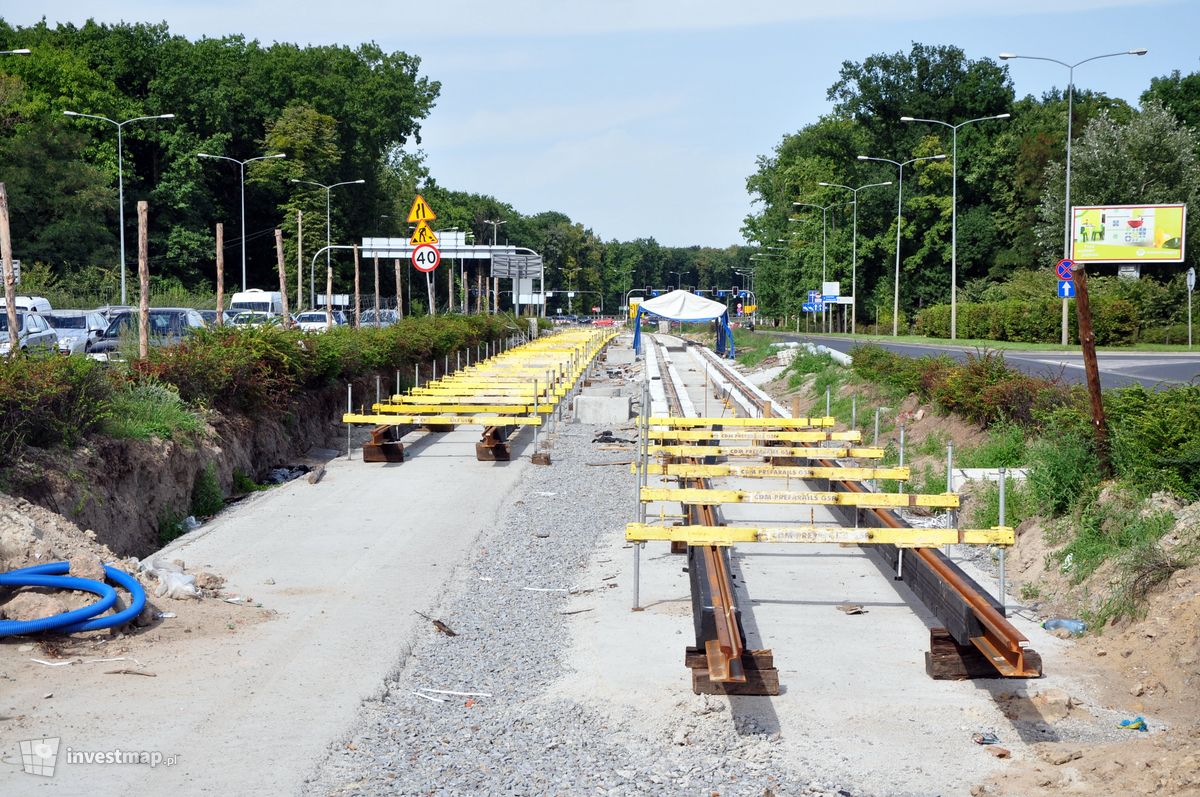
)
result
[(49, 400), (1114, 319)]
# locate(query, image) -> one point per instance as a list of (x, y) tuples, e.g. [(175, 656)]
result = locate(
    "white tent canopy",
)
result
[(683, 306)]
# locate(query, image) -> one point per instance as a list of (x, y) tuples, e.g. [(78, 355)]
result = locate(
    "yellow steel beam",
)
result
[(690, 495), (760, 423), (504, 409), (439, 420), (773, 471), (753, 434), (905, 538), (766, 451)]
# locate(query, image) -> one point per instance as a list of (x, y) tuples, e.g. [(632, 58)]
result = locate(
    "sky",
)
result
[(644, 119)]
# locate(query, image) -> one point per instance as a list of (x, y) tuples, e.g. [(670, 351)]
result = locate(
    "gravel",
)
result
[(512, 642)]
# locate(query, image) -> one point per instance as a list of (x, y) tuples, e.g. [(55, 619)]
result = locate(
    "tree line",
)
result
[(337, 113), (1010, 179)]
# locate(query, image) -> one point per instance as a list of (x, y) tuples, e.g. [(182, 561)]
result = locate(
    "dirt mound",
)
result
[(30, 535)]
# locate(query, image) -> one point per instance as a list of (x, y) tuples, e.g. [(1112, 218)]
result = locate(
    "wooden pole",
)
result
[(399, 293), (220, 274), (357, 290), (287, 316), (377, 291), (299, 261), (10, 279), (144, 281), (1087, 340)]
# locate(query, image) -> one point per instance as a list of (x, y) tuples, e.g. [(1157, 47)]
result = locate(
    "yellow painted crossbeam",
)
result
[(690, 495), (758, 423), (905, 538), (767, 451), (450, 420), (502, 409), (468, 399), (754, 434), (772, 471)]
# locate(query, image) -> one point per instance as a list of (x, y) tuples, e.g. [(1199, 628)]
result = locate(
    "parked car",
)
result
[(255, 319), (210, 316), (386, 318), (77, 329), (168, 326), (315, 320), (111, 311), (32, 304), (257, 300), (33, 333)]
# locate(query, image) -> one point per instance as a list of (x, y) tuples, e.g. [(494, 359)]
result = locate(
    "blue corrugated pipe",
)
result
[(54, 574)]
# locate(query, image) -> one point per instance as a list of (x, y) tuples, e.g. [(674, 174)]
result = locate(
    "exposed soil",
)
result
[(120, 490)]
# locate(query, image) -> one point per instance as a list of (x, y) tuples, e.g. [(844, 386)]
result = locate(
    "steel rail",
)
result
[(1000, 642)]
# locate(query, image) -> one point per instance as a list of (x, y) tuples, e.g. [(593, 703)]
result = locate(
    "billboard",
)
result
[(1128, 233)]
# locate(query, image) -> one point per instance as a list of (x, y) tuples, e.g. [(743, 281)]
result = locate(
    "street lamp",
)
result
[(954, 209), (824, 210), (120, 170), (899, 207), (1070, 107), (495, 281), (854, 248), (242, 166), (311, 276)]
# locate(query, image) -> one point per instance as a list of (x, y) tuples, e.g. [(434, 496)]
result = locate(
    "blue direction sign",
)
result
[(808, 307), (721, 294), (1066, 289), (814, 296), (1064, 270)]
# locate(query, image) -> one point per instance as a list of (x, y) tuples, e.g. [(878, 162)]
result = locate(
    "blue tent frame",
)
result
[(724, 332)]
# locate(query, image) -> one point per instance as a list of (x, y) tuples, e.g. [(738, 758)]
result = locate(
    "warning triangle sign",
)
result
[(423, 234), (420, 211)]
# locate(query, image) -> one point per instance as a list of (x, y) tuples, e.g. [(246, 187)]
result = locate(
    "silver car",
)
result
[(77, 329), (33, 333), (316, 321)]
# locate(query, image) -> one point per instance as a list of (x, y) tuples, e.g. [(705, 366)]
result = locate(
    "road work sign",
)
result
[(420, 211), (423, 235)]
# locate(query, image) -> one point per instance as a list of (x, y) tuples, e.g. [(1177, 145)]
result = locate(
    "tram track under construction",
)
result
[(743, 470)]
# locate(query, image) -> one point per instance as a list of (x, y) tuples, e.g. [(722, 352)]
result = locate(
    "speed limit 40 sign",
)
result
[(426, 257)]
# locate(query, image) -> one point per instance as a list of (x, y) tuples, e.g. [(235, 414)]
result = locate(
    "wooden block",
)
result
[(316, 474), (946, 660), (678, 546), (758, 682), (541, 458)]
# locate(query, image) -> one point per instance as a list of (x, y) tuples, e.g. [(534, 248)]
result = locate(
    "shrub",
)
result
[(46, 400), (147, 408), (207, 498), (1155, 436), (1062, 471)]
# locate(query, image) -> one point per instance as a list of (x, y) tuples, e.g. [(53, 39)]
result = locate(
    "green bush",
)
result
[(207, 498), (50, 399), (1115, 320), (1062, 471), (1019, 503), (1005, 447), (1117, 527), (147, 408), (1155, 436)]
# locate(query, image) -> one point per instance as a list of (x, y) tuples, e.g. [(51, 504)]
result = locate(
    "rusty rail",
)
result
[(995, 637)]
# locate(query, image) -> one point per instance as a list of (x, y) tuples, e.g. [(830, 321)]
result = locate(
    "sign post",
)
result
[(1191, 286), (1087, 341)]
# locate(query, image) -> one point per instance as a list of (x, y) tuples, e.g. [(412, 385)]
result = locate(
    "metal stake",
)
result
[(1003, 603), (827, 401), (378, 388), (854, 411), (417, 375), (875, 442), (900, 485), (349, 408), (535, 415), (397, 381), (637, 576)]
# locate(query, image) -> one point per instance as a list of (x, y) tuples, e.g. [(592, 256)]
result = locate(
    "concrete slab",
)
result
[(591, 409)]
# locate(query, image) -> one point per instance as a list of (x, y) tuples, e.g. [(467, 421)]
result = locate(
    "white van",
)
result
[(257, 300), (32, 304)]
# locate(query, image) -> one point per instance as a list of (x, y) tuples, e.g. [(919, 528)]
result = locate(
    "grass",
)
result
[(752, 347), (242, 483), (974, 343), (207, 499), (1019, 504), (1005, 447), (149, 409)]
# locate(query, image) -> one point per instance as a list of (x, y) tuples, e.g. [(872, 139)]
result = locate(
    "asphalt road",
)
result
[(1117, 369)]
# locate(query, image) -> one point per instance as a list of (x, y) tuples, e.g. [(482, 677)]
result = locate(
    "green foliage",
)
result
[(207, 498), (171, 526), (1063, 471), (243, 484), (1005, 447), (1115, 321), (1155, 436), (1110, 529), (47, 400), (1019, 504), (146, 408), (752, 347)]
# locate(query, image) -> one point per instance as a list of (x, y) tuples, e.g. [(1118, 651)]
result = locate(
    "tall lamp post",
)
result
[(954, 208), (899, 208), (120, 170), (1070, 113), (328, 242), (854, 248), (495, 282), (242, 168), (824, 211)]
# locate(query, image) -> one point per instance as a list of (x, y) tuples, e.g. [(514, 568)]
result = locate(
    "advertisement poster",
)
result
[(1128, 233)]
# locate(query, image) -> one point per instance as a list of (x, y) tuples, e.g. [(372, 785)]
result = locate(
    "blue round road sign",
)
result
[(1064, 269)]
